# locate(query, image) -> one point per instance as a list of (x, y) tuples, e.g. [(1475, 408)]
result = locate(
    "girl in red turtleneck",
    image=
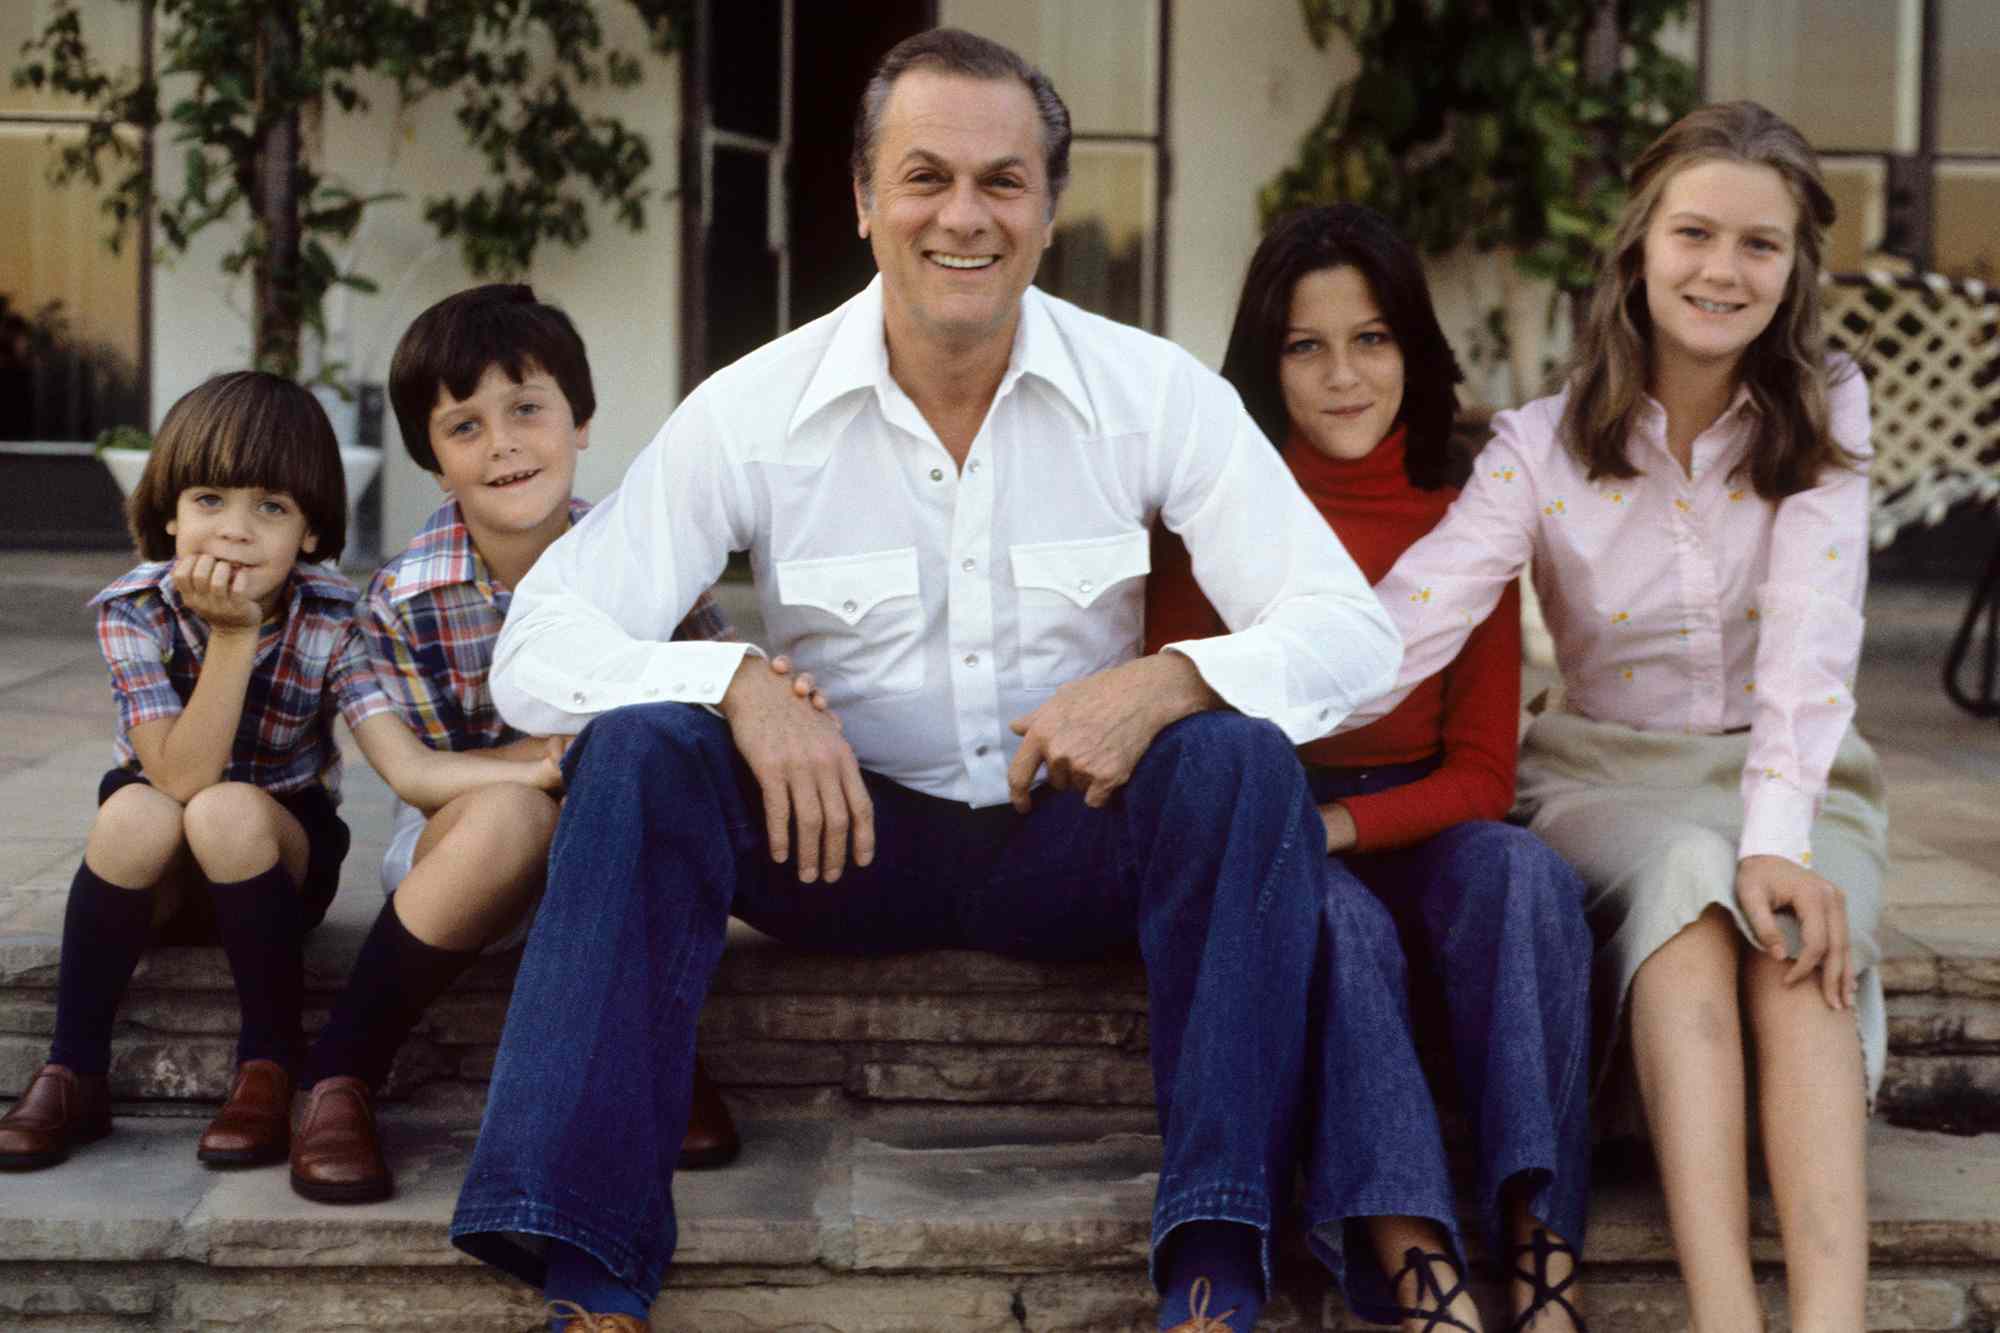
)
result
[(1337, 353)]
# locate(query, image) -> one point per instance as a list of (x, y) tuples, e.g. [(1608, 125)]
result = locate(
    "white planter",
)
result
[(357, 465), (126, 466)]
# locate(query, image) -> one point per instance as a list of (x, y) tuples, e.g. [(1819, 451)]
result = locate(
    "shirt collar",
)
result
[(307, 580), (442, 555), (152, 574), (1041, 350), (1741, 401), (857, 357)]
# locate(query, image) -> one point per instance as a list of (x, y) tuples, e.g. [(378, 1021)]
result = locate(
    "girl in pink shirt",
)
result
[(1695, 506)]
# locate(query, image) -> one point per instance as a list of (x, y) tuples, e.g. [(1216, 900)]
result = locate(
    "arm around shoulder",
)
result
[(430, 779), (590, 628), (1308, 640)]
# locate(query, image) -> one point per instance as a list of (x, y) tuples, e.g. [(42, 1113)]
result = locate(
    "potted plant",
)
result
[(123, 451)]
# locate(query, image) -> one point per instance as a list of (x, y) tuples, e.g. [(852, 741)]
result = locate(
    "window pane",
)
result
[(744, 65), (110, 28), (1858, 187), (1101, 55), (1102, 257), (742, 271), (69, 308), (1844, 71), (1968, 199), (1968, 93)]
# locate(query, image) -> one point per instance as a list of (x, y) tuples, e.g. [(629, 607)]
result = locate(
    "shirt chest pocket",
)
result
[(856, 621), (1080, 610)]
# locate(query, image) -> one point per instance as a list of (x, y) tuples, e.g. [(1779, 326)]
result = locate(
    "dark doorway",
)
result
[(768, 215), (836, 53)]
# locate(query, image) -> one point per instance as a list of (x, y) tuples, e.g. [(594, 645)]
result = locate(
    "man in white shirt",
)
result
[(945, 489)]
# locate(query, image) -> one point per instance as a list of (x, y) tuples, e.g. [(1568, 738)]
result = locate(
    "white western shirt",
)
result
[(934, 605)]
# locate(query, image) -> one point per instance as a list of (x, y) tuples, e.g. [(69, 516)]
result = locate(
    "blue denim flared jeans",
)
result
[(1211, 859), (1493, 919)]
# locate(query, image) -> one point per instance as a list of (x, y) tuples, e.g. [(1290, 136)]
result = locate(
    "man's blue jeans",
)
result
[(1211, 858)]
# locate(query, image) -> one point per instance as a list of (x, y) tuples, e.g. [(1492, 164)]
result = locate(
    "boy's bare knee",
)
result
[(233, 829), (135, 837), (511, 820)]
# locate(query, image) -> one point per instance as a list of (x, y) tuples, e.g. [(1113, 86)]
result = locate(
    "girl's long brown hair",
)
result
[(1784, 369)]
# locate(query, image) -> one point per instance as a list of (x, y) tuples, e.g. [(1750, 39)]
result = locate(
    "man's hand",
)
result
[(807, 773), (213, 590), (1092, 732), (1765, 884)]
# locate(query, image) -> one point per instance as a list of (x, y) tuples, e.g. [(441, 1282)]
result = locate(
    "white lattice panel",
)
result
[(1931, 349)]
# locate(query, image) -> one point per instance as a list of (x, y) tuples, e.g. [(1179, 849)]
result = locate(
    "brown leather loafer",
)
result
[(336, 1156), (255, 1125), (60, 1110), (576, 1319), (711, 1134)]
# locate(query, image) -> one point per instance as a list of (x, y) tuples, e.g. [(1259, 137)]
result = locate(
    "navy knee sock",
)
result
[(105, 930), (394, 981), (576, 1276), (258, 919), (1229, 1256)]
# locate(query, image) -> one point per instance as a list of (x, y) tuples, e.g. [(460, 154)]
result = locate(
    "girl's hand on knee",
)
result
[(1766, 885)]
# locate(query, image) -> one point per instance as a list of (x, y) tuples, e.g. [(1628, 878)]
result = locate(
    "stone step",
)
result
[(932, 1027), (939, 1219)]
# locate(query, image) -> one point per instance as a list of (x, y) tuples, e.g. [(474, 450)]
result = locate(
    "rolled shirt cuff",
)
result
[(1777, 820)]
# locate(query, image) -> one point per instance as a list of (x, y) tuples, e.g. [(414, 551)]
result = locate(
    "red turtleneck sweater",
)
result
[(1470, 711)]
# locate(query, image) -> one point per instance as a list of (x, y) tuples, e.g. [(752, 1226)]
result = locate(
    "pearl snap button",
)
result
[(1084, 585), (972, 659), (849, 606), (973, 466), (937, 474), (576, 698), (969, 565)]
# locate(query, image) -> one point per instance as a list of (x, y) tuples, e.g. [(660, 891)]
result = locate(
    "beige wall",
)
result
[(622, 289), (1246, 85)]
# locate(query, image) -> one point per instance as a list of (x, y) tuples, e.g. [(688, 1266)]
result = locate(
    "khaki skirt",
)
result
[(1651, 821)]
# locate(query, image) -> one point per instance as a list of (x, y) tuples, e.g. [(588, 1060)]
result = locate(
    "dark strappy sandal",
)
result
[(1539, 1247), (1428, 1288)]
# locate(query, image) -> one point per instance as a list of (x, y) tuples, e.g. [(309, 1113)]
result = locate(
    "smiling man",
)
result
[(945, 489)]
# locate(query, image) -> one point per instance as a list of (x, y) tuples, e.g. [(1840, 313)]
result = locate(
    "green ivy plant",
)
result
[(242, 73), (1494, 122)]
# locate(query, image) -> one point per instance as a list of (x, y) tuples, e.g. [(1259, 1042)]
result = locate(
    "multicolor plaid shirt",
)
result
[(432, 616), (311, 661)]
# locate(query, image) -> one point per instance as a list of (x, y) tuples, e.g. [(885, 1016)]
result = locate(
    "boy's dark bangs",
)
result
[(520, 338)]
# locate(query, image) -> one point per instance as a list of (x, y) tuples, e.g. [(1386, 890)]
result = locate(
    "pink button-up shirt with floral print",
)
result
[(1678, 601)]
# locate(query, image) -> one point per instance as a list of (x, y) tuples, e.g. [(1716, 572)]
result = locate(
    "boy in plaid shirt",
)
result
[(492, 391), (230, 654)]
